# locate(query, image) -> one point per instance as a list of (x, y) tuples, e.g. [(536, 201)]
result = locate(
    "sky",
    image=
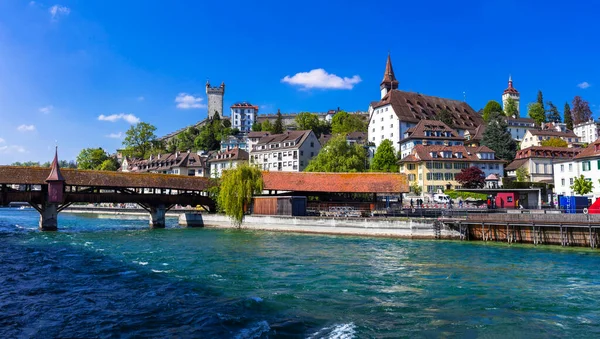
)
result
[(78, 73)]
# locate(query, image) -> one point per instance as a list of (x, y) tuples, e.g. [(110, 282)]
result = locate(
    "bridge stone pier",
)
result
[(50, 194)]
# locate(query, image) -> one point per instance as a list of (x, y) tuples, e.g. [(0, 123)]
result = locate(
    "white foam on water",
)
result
[(161, 271), (256, 330), (338, 331), (257, 299)]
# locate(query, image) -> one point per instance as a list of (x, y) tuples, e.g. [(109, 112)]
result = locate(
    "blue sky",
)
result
[(63, 65)]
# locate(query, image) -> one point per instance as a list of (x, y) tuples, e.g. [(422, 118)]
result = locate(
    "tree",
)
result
[(498, 138), (554, 142), (267, 126), (416, 188), (446, 117), (186, 140), (344, 123), (471, 177), (553, 113), (582, 186), (540, 99), (91, 158), (210, 135), (568, 116), (139, 139), (110, 164), (581, 110), (491, 107), (522, 174), (237, 187), (338, 156), (256, 127), (385, 159), (66, 164), (511, 109), (278, 126), (311, 121), (537, 113)]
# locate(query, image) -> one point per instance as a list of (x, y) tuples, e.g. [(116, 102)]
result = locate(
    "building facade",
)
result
[(434, 168), (178, 163), (588, 131), (243, 116), (288, 152), (535, 137), (539, 162), (429, 132), (397, 111), (586, 163), (511, 93), (225, 160), (215, 99), (517, 127), (233, 141)]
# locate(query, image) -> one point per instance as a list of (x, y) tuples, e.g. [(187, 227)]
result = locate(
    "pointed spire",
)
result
[(389, 79), (55, 174), (510, 85)]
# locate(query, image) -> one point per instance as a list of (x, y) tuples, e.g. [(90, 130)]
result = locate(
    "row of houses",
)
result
[(288, 152)]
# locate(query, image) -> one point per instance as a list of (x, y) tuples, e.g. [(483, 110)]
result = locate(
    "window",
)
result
[(382, 128), (312, 144), (312, 154), (301, 153), (411, 166), (571, 181), (562, 182), (412, 177), (391, 135), (391, 125), (570, 167), (586, 166), (562, 169)]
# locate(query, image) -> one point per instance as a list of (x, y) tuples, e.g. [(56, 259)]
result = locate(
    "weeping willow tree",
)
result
[(237, 187)]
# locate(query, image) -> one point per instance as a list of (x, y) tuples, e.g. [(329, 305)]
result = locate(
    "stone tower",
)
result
[(389, 81), (512, 93), (215, 99)]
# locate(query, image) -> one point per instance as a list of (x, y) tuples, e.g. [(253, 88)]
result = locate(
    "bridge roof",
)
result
[(38, 175), (336, 182)]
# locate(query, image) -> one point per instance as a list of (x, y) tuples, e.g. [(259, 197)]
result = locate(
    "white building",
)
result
[(588, 131), (511, 93), (587, 163), (288, 152), (243, 116), (539, 161), (226, 160), (535, 137), (397, 111), (429, 132), (517, 127)]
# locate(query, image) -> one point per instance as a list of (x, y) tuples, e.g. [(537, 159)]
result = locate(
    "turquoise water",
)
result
[(110, 277)]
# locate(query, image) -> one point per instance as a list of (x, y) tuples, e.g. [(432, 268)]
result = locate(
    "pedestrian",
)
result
[(411, 203)]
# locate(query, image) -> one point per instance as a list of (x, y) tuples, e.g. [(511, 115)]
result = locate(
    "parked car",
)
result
[(441, 198)]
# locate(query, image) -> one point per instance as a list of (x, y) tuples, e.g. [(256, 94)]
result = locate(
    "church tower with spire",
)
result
[(389, 81), (511, 93)]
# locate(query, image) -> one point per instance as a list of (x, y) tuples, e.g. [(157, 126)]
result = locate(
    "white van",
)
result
[(441, 198)]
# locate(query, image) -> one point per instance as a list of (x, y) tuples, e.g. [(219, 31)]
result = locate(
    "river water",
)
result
[(114, 277)]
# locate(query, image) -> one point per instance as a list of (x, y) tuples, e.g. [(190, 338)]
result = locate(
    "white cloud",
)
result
[(319, 78), (115, 135), (130, 118), (1, 140), (26, 128), (57, 11), (584, 85), (46, 109), (141, 98), (187, 101), (32, 3), (11, 149)]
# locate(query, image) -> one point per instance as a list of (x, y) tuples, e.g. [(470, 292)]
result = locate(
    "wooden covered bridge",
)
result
[(50, 191)]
